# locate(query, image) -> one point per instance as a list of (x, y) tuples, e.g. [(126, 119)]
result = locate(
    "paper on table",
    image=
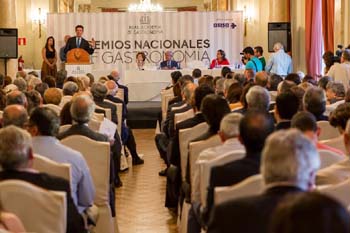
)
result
[(108, 128)]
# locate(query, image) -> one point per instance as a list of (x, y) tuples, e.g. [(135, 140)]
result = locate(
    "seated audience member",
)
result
[(92, 78), (169, 63), (310, 212), (43, 126), (299, 92), (21, 84), (10, 222), (219, 85), (335, 92), (175, 76), (261, 79), (2, 99), (16, 159), (103, 79), (306, 123), (338, 172), (99, 92), (287, 104), (69, 89), (114, 75), (81, 109), (112, 89), (240, 78), (229, 133), (213, 108), (273, 82), (305, 85), (65, 116), (207, 79), (254, 128), (16, 97), (227, 84), (15, 115), (234, 95), (249, 75), (243, 99), (285, 86), (41, 88), (52, 96), (294, 77), (51, 82), (196, 73), (258, 98), (34, 100), (177, 94), (225, 71), (314, 101), (288, 165), (309, 79), (60, 77), (322, 83)]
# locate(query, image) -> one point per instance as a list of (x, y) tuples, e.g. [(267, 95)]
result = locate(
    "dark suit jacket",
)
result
[(126, 92), (112, 107), (173, 64), (75, 221), (230, 174), (249, 214), (283, 125), (118, 101), (81, 129), (84, 44), (170, 115)]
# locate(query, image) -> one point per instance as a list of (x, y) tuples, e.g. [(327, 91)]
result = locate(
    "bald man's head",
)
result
[(112, 87), (15, 115)]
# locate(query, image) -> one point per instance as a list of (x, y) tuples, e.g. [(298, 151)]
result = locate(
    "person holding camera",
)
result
[(251, 62)]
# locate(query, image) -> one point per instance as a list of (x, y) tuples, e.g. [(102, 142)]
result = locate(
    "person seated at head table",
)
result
[(140, 60), (220, 59), (169, 63)]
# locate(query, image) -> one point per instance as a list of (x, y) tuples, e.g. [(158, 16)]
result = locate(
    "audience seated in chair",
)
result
[(15, 115), (99, 92), (287, 104), (310, 212), (69, 89), (16, 159), (306, 123), (114, 75), (335, 92), (314, 101), (337, 172), (289, 164), (52, 96), (43, 126)]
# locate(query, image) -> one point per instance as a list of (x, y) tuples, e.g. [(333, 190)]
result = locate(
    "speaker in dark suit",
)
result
[(169, 64), (79, 42)]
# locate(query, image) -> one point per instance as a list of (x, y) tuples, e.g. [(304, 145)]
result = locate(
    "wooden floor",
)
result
[(140, 201)]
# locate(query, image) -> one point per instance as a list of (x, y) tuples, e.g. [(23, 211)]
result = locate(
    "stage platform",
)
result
[(143, 114)]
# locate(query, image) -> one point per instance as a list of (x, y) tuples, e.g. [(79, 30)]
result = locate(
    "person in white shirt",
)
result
[(340, 72), (280, 62)]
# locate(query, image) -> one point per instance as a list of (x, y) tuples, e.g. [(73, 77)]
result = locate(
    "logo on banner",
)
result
[(145, 27), (225, 25)]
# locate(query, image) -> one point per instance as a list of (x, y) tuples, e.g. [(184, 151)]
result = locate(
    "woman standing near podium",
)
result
[(49, 56)]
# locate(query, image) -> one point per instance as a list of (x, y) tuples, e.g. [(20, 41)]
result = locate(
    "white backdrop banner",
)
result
[(192, 36)]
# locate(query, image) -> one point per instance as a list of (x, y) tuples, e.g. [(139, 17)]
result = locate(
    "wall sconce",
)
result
[(247, 17), (39, 18)]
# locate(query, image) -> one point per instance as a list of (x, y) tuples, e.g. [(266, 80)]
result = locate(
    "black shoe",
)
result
[(163, 172), (137, 161)]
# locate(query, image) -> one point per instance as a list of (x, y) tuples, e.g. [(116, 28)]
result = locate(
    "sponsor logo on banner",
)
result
[(145, 27), (225, 23)]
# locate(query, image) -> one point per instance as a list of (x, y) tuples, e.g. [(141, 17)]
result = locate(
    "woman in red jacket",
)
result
[(220, 60)]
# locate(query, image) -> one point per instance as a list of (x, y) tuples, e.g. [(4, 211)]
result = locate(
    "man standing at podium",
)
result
[(79, 42)]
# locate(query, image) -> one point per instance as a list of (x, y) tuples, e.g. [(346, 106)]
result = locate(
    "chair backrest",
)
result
[(40, 210), (338, 191), (337, 143), (328, 158), (57, 109), (206, 166), (108, 112), (195, 148), (251, 186), (185, 136), (183, 116), (119, 113), (98, 116), (97, 156), (43, 164), (165, 96), (94, 125), (120, 94), (327, 131), (64, 128)]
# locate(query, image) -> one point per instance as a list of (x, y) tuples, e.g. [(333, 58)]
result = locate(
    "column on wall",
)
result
[(8, 20)]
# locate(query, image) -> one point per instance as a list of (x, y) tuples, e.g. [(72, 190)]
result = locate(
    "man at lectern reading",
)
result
[(79, 42)]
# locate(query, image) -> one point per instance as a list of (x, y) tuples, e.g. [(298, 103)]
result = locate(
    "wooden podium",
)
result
[(78, 62)]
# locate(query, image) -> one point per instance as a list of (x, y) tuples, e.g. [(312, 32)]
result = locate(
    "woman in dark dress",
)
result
[(49, 59)]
